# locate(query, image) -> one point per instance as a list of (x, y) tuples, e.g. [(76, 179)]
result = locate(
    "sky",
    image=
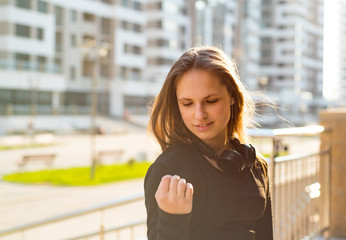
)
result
[(330, 70)]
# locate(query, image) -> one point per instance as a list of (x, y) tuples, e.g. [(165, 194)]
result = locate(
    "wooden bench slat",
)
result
[(108, 153), (47, 158)]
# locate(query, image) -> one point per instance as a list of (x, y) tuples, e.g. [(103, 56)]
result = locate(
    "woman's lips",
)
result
[(203, 126)]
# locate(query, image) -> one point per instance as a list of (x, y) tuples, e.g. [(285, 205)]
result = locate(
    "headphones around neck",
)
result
[(232, 162)]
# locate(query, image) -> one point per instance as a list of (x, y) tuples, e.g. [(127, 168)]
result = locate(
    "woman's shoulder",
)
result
[(175, 155), (176, 159)]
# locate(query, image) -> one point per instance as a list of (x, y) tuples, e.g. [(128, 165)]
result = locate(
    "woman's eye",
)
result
[(186, 104), (212, 101)]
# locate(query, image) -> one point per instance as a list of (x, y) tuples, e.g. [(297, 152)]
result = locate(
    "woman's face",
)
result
[(205, 106)]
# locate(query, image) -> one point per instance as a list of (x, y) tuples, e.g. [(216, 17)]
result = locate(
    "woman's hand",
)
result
[(174, 195)]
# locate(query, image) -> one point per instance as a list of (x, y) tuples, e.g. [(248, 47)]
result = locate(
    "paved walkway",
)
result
[(21, 204)]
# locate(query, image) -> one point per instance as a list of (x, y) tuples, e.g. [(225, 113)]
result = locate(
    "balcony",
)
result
[(30, 66)]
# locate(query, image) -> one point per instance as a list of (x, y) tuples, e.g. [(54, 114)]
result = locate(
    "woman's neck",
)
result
[(218, 145)]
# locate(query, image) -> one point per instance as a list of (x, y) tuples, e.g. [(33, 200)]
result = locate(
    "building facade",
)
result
[(292, 57), (54, 54), (342, 53)]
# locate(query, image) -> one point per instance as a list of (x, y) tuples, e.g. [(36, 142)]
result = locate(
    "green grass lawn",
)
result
[(80, 176)]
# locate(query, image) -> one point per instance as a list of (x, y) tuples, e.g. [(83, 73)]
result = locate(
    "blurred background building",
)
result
[(46, 73), (292, 57), (342, 52)]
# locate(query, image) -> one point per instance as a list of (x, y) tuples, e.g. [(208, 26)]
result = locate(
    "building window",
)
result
[(155, 24), (123, 73), (58, 42), (42, 7), (44, 98), (105, 70), (22, 61), (22, 31), (136, 50), (125, 3), (89, 17), (137, 27), (72, 73), (136, 74), (154, 6), (158, 43), (22, 97), (132, 49), (39, 33), (58, 65), (74, 16), (41, 63), (105, 25), (6, 96), (125, 25), (160, 61), (87, 68), (73, 40), (137, 6), (58, 16), (23, 4)]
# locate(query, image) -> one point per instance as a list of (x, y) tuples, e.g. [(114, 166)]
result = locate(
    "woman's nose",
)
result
[(200, 112)]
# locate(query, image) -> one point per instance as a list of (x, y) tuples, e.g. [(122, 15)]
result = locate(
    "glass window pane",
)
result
[(42, 6), (23, 4), (22, 31)]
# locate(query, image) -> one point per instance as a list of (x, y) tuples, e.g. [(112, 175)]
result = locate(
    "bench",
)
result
[(45, 158), (110, 154)]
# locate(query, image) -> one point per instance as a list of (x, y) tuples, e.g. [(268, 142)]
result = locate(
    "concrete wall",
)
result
[(335, 121)]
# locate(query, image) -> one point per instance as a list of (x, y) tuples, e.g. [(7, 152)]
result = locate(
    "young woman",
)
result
[(207, 184)]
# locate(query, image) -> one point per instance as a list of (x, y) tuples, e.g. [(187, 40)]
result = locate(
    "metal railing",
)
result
[(300, 189), (100, 232)]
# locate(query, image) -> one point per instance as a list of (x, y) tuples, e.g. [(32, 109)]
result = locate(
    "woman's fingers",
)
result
[(189, 192), (174, 184), (174, 195), (165, 183), (181, 187)]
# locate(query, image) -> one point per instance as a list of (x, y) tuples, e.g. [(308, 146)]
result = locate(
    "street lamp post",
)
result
[(34, 86), (91, 47)]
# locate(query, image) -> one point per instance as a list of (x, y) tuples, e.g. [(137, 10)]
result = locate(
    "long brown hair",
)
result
[(166, 124)]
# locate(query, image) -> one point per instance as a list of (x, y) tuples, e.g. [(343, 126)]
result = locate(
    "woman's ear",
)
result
[(232, 101)]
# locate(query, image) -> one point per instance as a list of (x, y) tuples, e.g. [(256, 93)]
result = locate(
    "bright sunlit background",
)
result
[(330, 73)]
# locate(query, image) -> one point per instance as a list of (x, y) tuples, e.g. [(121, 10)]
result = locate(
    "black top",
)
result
[(224, 207)]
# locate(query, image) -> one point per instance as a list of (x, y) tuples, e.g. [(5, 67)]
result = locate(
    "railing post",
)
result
[(101, 232), (335, 121), (275, 201), (101, 225)]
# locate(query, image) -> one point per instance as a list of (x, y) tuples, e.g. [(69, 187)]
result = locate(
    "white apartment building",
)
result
[(49, 65), (168, 36), (247, 44), (216, 23), (233, 26), (342, 53), (130, 90), (292, 57), (44, 68), (47, 69)]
